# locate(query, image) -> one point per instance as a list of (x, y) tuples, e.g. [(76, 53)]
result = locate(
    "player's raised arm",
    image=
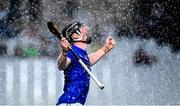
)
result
[(96, 56), (63, 60)]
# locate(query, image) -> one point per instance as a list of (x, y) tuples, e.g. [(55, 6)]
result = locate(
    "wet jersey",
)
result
[(76, 79)]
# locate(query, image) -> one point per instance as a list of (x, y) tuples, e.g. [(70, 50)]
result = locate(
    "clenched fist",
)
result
[(110, 43), (64, 44)]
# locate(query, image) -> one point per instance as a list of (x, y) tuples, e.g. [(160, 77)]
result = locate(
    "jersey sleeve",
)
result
[(71, 56)]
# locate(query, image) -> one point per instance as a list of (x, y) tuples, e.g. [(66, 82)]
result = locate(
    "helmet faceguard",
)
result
[(70, 30), (74, 28)]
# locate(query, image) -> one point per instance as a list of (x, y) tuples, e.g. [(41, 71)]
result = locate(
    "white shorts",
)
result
[(73, 104)]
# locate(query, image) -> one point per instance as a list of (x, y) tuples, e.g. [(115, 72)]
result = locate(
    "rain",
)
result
[(142, 69)]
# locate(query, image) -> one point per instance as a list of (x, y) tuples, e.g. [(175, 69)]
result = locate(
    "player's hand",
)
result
[(110, 42), (64, 44)]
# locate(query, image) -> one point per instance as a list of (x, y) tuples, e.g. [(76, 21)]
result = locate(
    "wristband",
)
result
[(105, 49), (64, 50)]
